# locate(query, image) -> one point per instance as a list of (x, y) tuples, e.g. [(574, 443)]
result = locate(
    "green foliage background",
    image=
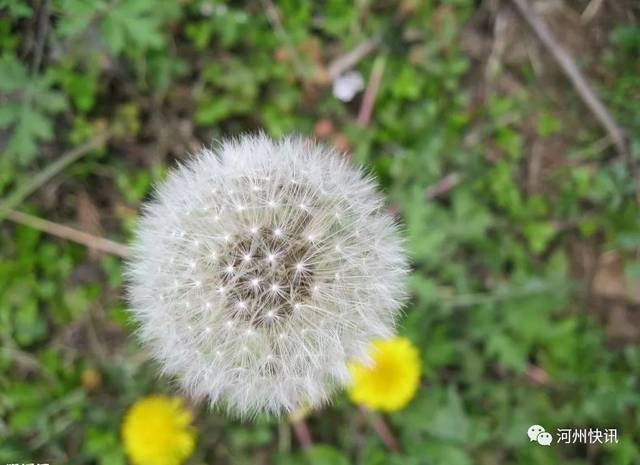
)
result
[(525, 291)]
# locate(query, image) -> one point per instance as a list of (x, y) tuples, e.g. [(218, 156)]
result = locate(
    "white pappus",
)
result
[(260, 268)]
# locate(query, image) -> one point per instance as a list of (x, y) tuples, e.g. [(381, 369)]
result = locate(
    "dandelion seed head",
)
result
[(297, 269)]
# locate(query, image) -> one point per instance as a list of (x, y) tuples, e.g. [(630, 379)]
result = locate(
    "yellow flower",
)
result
[(391, 381), (157, 431)]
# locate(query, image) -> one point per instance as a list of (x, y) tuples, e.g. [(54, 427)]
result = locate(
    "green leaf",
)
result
[(539, 234), (29, 324), (132, 25), (104, 445), (508, 351), (31, 103), (548, 124), (326, 455), (77, 16), (450, 421), (17, 8)]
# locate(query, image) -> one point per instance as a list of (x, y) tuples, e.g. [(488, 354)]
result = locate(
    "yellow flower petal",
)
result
[(391, 380), (157, 431)]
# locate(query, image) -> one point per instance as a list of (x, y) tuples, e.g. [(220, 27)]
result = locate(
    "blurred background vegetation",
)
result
[(521, 217)]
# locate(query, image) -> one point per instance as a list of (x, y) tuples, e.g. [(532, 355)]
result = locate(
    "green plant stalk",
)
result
[(24, 190)]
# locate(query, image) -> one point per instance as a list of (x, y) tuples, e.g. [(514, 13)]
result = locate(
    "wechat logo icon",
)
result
[(538, 433)]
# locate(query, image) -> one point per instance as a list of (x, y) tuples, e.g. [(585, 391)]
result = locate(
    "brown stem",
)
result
[(369, 98), (443, 186), (65, 232), (381, 428), (351, 58), (301, 430), (22, 191), (41, 35)]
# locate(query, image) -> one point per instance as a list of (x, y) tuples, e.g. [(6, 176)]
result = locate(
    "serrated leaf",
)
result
[(79, 14), (31, 102), (132, 24)]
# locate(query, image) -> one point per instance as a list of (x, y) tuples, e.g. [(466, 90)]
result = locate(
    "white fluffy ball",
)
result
[(260, 268)]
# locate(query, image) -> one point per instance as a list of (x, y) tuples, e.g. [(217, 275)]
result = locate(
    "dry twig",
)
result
[(23, 191), (351, 58), (66, 232), (443, 186), (591, 11), (41, 34), (567, 64), (366, 108)]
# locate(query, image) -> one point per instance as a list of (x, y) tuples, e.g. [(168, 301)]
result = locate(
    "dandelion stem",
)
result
[(381, 428), (301, 430), (284, 437)]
